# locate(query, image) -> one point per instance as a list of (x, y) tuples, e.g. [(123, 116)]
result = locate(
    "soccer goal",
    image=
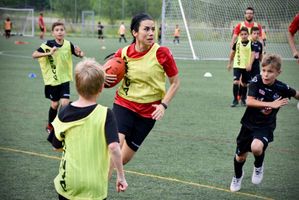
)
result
[(88, 24), (206, 26), (22, 20)]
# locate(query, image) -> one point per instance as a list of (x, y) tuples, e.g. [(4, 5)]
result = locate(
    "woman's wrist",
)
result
[(164, 105)]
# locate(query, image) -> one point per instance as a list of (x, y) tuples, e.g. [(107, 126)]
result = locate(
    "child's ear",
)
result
[(101, 88)]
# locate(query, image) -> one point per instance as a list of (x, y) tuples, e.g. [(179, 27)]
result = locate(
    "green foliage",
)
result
[(113, 10), (188, 155)]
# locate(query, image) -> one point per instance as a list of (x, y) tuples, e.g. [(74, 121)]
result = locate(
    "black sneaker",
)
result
[(234, 103), (243, 102)]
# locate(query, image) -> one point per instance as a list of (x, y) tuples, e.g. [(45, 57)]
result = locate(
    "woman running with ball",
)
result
[(142, 97)]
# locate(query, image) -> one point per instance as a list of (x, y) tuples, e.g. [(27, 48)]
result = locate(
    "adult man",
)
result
[(248, 23), (293, 28)]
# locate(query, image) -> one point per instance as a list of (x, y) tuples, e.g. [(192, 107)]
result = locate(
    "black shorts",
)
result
[(247, 135), (133, 126), (255, 70), (7, 32), (55, 93), (42, 29), (245, 75)]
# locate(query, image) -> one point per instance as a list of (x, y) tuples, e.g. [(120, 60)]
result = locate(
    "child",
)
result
[(7, 27), (100, 31), (265, 96), (55, 59), (42, 26), (241, 54), (122, 32), (258, 52), (88, 133), (264, 38), (177, 33)]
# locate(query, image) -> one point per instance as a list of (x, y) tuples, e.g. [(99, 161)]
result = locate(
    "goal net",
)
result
[(206, 25), (88, 24), (22, 20)]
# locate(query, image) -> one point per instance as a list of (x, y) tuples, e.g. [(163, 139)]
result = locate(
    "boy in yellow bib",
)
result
[(242, 54), (87, 133), (55, 59)]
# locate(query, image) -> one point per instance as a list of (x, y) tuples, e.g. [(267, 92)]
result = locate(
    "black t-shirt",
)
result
[(258, 50), (53, 43), (71, 113), (263, 117)]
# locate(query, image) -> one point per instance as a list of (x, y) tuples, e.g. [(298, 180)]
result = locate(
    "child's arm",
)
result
[(115, 153), (252, 102), (249, 66), (37, 54), (230, 60), (297, 95)]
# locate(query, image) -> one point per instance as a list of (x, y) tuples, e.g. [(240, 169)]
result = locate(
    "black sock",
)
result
[(238, 166), (259, 160), (52, 115), (235, 91), (243, 92)]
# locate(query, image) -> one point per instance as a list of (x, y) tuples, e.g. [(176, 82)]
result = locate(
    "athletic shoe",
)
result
[(234, 103), (243, 102), (236, 183), (49, 128), (257, 175)]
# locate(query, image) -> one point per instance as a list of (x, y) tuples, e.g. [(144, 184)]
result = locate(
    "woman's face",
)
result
[(146, 33)]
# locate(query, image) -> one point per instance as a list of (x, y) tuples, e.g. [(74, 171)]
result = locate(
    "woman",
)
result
[(142, 98)]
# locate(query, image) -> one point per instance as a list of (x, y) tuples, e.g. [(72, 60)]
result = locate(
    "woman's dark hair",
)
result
[(135, 23)]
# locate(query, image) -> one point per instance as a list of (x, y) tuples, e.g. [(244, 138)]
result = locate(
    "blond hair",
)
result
[(89, 77), (272, 59)]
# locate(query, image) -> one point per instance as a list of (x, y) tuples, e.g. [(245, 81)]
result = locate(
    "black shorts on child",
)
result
[(245, 75), (247, 135), (55, 93)]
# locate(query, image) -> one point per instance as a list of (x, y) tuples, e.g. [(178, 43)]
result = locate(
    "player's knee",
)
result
[(64, 102), (241, 158), (55, 105), (257, 147)]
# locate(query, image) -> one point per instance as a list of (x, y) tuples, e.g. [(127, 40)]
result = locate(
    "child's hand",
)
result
[(121, 185), (248, 68), (78, 51), (229, 66), (52, 51), (279, 102)]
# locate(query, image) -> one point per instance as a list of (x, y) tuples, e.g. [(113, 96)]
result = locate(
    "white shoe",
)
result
[(236, 183), (257, 175)]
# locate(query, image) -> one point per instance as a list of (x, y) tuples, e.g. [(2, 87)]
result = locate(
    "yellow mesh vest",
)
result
[(57, 68), (144, 81), (242, 55), (83, 171)]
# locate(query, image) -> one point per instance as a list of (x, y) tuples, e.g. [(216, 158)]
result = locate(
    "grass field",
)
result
[(188, 155)]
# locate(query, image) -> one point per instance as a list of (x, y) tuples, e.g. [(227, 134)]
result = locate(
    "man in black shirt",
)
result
[(265, 96)]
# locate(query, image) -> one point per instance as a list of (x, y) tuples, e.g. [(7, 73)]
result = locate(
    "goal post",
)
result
[(88, 23), (22, 20), (206, 26)]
